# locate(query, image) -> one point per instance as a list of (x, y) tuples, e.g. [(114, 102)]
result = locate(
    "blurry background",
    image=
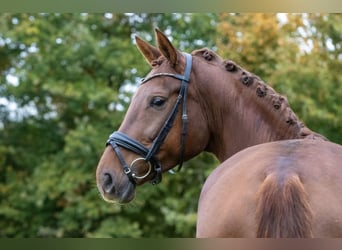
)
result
[(66, 81)]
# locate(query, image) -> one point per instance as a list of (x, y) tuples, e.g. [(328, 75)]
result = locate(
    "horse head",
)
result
[(163, 126)]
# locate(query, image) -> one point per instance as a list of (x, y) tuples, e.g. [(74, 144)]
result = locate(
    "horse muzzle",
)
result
[(114, 189), (112, 182)]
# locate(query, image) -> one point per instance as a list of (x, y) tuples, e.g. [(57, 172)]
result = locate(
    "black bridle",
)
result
[(119, 139)]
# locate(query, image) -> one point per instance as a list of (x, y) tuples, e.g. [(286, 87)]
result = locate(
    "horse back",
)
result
[(280, 189)]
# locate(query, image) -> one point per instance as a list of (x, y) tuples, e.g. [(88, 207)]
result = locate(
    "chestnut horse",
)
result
[(277, 178)]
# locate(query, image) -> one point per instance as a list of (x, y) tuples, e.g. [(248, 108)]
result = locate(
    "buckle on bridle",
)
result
[(127, 171), (157, 179)]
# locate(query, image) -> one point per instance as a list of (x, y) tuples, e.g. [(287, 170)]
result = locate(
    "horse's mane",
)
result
[(263, 93)]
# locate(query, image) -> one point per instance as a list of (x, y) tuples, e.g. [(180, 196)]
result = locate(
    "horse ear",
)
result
[(166, 48), (149, 52)]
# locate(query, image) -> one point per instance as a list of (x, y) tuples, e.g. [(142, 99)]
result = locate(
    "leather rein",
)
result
[(119, 139)]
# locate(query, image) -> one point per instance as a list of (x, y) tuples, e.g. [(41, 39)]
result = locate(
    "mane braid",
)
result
[(265, 95), (277, 103)]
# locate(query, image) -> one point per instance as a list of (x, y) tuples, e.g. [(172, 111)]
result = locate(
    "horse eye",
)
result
[(157, 101)]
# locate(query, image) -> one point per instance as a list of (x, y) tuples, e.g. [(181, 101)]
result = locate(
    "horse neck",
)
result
[(243, 111)]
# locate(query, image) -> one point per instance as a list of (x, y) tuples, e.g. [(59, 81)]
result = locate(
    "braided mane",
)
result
[(264, 94)]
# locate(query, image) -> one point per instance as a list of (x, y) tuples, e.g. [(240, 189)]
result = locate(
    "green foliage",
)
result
[(73, 71)]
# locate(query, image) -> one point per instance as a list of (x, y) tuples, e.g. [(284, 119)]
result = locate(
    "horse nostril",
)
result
[(108, 183)]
